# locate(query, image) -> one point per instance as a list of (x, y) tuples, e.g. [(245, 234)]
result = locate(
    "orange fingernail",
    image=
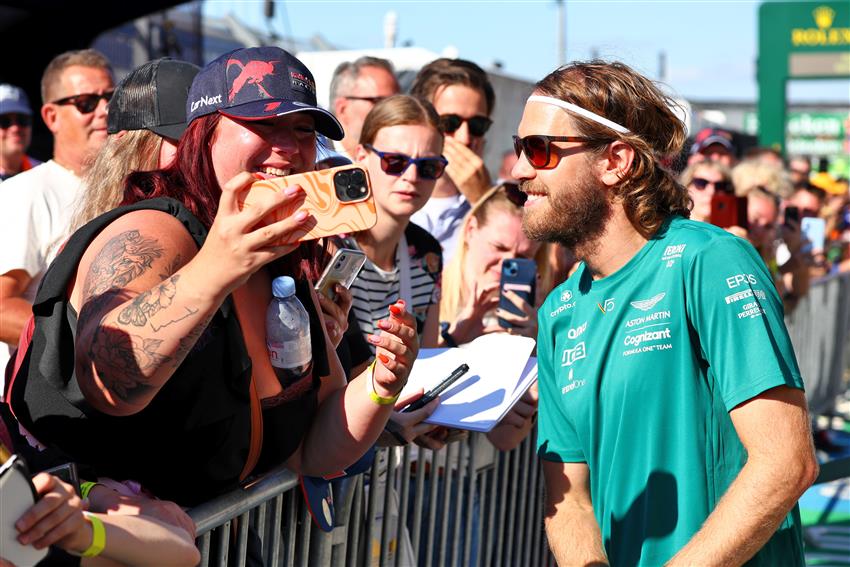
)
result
[(395, 309), (257, 176), (383, 358)]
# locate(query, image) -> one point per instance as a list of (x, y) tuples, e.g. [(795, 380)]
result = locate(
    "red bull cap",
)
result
[(255, 83)]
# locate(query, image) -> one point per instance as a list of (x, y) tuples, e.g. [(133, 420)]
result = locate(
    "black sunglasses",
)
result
[(85, 103), (372, 99), (394, 163), (514, 194), (478, 125), (701, 184), (538, 148), (12, 118)]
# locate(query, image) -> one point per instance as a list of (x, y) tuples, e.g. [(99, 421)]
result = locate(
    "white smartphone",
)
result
[(342, 269)]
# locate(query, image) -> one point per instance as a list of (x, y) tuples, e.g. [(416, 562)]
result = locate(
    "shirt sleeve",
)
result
[(556, 438), (738, 318), (21, 228)]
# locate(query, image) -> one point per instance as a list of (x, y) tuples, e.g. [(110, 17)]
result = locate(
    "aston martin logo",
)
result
[(647, 304)]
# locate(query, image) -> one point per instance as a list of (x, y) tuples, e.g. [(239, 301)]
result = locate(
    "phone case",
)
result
[(520, 276), (342, 269), (728, 210), (331, 215)]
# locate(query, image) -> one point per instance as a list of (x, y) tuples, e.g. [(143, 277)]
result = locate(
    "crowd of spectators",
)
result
[(151, 316)]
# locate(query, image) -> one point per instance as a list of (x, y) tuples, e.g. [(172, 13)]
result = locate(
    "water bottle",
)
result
[(288, 333)]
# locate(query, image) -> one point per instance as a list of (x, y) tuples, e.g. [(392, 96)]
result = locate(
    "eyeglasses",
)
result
[(372, 99), (478, 125), (12, 118), (85, 103), (393, 163), (723, 186), (538, 148)]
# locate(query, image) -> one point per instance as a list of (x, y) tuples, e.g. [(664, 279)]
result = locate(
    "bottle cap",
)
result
[(283, 286)]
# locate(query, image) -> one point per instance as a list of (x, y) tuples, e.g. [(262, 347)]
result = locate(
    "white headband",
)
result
[(580, 111)]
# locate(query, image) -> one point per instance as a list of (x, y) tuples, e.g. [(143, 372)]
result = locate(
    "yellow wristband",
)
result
[(98, 536), (85, 488), (370, 388)]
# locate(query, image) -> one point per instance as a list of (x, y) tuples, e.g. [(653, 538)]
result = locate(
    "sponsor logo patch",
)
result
[(647, 304)]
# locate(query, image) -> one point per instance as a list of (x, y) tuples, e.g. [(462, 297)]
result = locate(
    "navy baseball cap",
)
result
[(254, 83), (14, 100)]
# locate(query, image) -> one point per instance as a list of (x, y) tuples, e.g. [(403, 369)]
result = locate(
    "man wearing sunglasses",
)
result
[(672, 426), (15, 132), (356, 87), (464, 98), (36, 206)]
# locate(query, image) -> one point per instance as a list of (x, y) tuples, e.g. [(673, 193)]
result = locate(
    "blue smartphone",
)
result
[(520, 276)]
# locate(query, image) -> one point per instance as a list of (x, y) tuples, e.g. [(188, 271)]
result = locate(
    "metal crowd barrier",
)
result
[(467, 504), (464, 505)]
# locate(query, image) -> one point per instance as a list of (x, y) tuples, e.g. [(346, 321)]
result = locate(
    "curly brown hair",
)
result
[(650, 192)]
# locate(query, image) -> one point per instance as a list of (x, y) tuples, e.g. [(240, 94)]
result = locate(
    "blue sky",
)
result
[(710, 46)]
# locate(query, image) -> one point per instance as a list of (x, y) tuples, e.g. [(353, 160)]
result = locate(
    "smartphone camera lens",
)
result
[(511, 269), (357, 177)]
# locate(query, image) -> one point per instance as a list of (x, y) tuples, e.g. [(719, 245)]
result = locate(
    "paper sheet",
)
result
[(500, 371)]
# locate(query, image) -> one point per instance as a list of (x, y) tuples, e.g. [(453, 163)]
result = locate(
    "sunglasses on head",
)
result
[(85, 103), (9, 120), (394, 163), (538, 148), (514, 195), (478, 125), (701, 184)]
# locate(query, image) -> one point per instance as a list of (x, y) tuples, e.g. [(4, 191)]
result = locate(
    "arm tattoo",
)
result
[(124, 258), (188, 342), (121, 360)]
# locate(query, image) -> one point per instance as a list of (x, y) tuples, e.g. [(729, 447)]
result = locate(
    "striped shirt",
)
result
[(375, 289)]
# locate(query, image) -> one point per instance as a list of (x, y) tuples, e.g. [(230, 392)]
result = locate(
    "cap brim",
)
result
[(326, 123), (318, 496), (170, 131)]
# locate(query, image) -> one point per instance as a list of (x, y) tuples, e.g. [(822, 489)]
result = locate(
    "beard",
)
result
[(574, 216)]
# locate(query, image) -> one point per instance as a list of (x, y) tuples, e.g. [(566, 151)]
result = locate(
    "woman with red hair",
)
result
[(167, 379)]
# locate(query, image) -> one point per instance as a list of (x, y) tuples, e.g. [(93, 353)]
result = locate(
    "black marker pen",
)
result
[(438, 389)]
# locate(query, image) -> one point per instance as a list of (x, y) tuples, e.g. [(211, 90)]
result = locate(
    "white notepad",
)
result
[(500, 371)]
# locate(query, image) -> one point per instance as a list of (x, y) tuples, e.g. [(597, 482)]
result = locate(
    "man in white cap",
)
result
[(15, 132)]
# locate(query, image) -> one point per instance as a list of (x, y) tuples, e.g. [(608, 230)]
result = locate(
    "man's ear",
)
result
[(340, 103), (50, 115), (616, 163), (360, 153)]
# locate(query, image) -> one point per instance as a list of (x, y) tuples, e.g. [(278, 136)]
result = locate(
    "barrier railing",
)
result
[(466, 504)]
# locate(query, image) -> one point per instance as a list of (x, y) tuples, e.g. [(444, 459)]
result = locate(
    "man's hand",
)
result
[(466, 170)]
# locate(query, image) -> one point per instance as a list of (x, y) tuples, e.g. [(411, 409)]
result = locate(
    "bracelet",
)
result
[(373, 394), (86, 487), (447, 336), (98, 536)]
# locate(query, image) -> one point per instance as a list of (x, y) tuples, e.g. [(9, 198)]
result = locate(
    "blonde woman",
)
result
[(491, 232)]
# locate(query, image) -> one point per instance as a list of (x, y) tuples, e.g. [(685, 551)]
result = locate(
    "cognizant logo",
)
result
[(647, 336)]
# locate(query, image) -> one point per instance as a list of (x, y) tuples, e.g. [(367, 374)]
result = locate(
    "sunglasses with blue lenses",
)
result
[(395, 163)]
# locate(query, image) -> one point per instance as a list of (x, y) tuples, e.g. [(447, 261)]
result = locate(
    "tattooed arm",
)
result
[(145, 293), (141, 307)]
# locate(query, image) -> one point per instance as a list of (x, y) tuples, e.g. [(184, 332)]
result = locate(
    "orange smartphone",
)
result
[(340, 200)]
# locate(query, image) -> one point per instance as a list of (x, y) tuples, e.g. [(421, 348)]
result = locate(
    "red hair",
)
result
[(191, 180)]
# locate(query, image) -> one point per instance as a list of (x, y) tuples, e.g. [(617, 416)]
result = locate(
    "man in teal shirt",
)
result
[(673, 425)]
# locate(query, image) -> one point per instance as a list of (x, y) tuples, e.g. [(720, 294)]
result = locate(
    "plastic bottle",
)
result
[(288, 333)]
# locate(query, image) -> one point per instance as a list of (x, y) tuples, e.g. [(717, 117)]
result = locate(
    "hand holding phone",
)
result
[(342, 269), (340, 200), (519, 275)]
